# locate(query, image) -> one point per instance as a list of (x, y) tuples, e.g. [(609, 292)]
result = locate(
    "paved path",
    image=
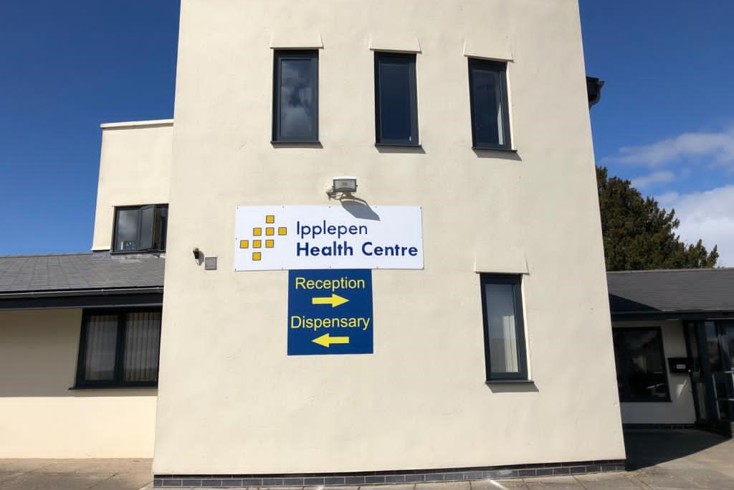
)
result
[(75, 474), (660, 460)]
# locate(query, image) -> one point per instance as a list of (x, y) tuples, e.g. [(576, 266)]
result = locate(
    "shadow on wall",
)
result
[(360, 209), (38, 355), (649, 447), (620, 304)]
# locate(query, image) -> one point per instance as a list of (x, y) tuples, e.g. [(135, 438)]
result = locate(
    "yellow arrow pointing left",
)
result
[(326, 340), (334, 300)]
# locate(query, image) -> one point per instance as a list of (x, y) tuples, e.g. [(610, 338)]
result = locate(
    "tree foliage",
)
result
[(638, 234)]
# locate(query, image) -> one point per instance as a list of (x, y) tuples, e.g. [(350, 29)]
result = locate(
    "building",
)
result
[(69, 386), (383, 258), (674, 343)]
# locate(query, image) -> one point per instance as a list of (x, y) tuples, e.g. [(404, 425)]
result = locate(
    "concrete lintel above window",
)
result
[(296, 40), (157, 123), (507, 265), (487, 51), (397, 42)]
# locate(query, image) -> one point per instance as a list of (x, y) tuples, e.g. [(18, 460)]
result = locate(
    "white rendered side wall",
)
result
[(134, 169), (41, 418)]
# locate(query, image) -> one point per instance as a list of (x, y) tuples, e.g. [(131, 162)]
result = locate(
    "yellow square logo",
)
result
[(256, 244)]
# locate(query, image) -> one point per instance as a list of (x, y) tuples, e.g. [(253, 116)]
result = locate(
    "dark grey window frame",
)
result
[(622, 393), (300, 54), (410, 59), (118, 381), (515, 280), (500, 67), (159, 230)]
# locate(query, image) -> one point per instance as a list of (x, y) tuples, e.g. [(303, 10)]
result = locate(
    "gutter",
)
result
[(673, 315), (81, 292)]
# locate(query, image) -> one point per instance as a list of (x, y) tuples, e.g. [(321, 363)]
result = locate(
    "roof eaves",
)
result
[(59, 293)]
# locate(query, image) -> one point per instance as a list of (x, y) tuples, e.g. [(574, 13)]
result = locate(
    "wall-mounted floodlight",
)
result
[(346, 185)]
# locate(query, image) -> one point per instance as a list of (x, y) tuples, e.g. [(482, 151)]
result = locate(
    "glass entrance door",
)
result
[(711, 348), (724, 379)]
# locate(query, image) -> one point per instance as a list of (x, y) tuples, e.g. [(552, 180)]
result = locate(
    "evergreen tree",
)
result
[(638, 234)]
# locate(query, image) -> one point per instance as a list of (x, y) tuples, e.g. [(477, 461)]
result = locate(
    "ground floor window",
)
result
[(641, 375), (504, 330), (119, 348)]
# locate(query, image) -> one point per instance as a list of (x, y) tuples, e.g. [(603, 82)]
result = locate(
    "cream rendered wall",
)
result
[(134, 169), (680, 410), (232, 401), (40, 417)]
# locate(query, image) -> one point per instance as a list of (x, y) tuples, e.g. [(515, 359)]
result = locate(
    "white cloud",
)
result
[(715, 148), (708, 216), (659, 177), (667, 199)]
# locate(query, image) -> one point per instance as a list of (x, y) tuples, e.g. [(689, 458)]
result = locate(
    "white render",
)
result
[(134, 169), (230, 400), (40, 417)]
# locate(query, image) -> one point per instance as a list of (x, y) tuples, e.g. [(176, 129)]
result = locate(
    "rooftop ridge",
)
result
[(708, 269), (63, 254)]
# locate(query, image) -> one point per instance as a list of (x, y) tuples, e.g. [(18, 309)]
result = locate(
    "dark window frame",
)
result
[(411, 60), (160, 228), (500, 67), (118, 380), (299, 54), (515, 280), (622, 393)]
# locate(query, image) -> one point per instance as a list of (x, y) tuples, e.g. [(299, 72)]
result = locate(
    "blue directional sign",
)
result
[(330, 312)]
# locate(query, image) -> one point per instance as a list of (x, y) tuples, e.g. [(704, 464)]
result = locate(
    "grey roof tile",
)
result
[(72, 272), (686, 290)]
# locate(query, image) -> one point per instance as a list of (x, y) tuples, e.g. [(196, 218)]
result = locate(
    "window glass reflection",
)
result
[(640, 363), (296, 99)]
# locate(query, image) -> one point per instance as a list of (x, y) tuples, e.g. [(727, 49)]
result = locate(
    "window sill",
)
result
[(114, 387), (398, 145), (494, 148), (510, 382), (286, 143), (138, 252)]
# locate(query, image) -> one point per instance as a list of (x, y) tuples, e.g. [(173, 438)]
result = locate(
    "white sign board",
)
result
[(348, 236)]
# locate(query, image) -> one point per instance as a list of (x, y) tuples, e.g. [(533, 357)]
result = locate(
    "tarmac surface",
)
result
[(657, 460)]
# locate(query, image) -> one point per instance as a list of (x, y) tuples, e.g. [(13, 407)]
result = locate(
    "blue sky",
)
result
[(66, 67), (665, 121), (666, 118)]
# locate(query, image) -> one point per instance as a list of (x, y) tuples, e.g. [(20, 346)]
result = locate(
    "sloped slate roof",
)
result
[(686, 290), (87, 272)]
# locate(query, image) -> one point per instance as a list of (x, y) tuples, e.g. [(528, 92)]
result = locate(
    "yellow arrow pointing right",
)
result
[(334, 300), (326, 340)]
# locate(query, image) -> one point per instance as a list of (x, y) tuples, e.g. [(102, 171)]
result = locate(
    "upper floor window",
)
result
[(140, 228), (119, 348), (396, 102), (295, 97), (490, 121), (504, 330)]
